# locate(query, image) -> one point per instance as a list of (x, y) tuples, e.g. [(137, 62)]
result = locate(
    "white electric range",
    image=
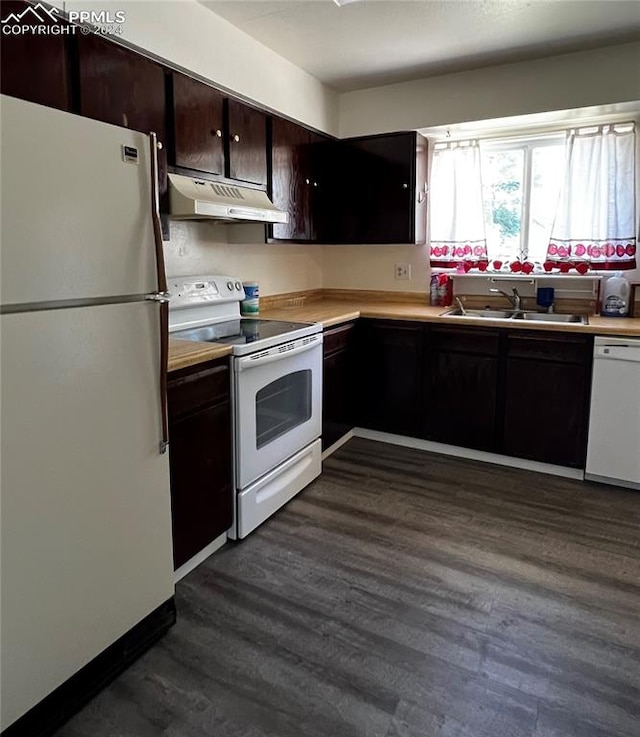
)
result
[(276, 392)]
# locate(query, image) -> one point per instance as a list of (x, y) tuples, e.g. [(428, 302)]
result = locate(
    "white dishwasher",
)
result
[(613, 451)]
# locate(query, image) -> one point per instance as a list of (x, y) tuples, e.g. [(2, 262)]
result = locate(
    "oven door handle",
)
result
[(279, 353)]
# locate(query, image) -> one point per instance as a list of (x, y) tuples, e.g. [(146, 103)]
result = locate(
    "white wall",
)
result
[(372, 267), (598, 77), (187, 34), (204, 248)]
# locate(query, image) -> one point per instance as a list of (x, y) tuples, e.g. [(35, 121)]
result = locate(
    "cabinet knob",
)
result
[(217, 133), (159, 146), (236, 138), (307, 181), (315, 184), (405, 185)]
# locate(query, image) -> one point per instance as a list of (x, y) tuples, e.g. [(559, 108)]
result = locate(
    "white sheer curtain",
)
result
[(456, 216), (596, 218)]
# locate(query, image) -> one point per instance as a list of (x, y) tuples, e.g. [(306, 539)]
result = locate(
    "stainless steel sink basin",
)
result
[(551, 317), (517, 315), (489, 314)]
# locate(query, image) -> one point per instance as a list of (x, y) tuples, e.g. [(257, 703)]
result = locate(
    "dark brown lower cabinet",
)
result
[(200, 457), (337, 383), (390, 376), (547, 388), (520, 393), (461, 387)]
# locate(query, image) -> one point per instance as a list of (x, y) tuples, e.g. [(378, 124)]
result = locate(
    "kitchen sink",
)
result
[(517, 315), (489, 314), (551, 317)]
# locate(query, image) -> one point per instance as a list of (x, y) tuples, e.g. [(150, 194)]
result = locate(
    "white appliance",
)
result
[(86, 515), (277, 393), (201, 199), (613, 450)]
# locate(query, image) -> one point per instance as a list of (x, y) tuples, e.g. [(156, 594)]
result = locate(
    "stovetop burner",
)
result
[(242, 331)]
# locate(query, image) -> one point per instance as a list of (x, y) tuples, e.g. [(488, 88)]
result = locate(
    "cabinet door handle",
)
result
[(306, 181), (236, 138), (405, 185), (217, 133)]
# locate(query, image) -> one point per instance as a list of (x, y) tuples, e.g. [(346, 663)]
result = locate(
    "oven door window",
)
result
[(282, 405)]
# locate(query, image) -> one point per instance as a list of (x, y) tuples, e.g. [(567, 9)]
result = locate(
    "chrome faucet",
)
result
[(516, 299)]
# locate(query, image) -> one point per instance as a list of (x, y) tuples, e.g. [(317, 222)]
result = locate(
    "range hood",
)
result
[(201, 199)]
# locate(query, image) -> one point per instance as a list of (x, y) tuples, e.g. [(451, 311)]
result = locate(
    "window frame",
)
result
[(526, 143)]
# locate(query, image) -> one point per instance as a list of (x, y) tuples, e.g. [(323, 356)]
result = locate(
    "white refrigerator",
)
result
[(86, 549)]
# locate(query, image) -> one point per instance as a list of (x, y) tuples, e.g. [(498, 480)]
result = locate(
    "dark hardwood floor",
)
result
[(404, 594)]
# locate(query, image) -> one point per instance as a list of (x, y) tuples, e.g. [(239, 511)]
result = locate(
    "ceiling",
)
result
[(366, 43)]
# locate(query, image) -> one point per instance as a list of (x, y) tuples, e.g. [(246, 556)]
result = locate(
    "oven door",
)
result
[(278, 405)]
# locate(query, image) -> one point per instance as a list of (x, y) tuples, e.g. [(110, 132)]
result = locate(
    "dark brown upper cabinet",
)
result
[(289, 170), (123, 88), (198, 125), (247, 143), (381, 189), (299, 181), (215, 135), (35, 67)]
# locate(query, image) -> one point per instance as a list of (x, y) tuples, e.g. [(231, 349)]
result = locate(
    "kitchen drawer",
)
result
[(196, 387), (478, 341), (560, 347), (338, 338)]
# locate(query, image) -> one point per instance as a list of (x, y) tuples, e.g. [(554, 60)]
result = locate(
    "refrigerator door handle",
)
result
[(155, 213), (164, 363), (158, 297), (163, 295)]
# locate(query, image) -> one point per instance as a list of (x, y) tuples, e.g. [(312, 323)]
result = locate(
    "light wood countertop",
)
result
[(333, 312), (330, 312), (183, 353)]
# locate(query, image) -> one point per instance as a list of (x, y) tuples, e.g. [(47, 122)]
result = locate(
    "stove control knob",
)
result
[(238, 286), (230, 286)]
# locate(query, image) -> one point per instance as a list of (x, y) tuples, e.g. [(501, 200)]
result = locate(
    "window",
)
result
[(282, 405), (520, 189), (562, 200)]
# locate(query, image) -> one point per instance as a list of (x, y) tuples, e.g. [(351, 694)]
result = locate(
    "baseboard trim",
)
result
[(60, 705), (199, 558), (623, 483), (469, 453), (338, 444)]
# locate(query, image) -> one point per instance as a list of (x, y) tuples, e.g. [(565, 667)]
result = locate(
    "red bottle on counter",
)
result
[(441, 290)]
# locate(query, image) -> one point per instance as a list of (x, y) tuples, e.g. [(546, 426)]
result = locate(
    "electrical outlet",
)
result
[(402, 271)]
